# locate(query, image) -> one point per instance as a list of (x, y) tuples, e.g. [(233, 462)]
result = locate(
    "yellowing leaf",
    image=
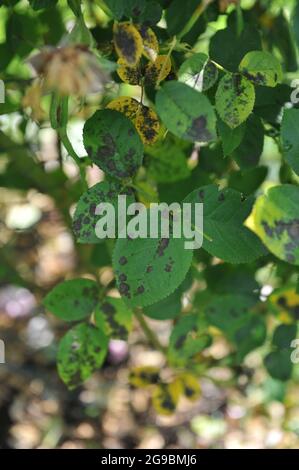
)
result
[(131, 75), (190, 386), (147, 125), (145, 119), (157, 71), (166, 397), (144, 376), (125, 105), (128, 43), (150, 42), (285, 302)]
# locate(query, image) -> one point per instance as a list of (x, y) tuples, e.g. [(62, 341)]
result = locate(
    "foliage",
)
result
[(182, 112)]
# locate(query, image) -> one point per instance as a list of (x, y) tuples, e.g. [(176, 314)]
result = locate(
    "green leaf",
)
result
[(289, 138), (248, 153), (295, 22), (114, 318), (279, 365), (167, 308), (85, 218), (231, 313), (40, 4), (185, 112), (284, 335), (262, 68), (227, 47), (81, 351), (224, 213), (188, 338), (235, 98), (72, 300), (276, 221), (75, 6), (149, 269), (113, 143), (198, 72), (230, 138), (247, 181), (166, 160)]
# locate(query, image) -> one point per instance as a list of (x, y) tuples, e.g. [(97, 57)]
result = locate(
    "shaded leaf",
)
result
[(198, 72), (289, 138)]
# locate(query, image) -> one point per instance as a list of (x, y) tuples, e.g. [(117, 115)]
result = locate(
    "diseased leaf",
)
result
[(85, 217), (289, 138), (186, 112), (131, 75), (157, 71), (262, 68), (276, 221), (144, 376), (145, 119), (81, 351), (224, 213), (190, 386), (113, 143), (188, 338), (235, 98), (147, 124), (166, 397), (284, 302), (72, 300), (114, 318), (128, 42), (150, 42), (198, 72), (149, 269)]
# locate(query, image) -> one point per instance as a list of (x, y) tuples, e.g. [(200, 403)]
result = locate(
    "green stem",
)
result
[(70, 150), (194, 17), (240, 19), (151, 336)]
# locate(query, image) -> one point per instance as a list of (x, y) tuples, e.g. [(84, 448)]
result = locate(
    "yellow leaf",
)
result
[(147, 124), (145, 119), (131, 75), (144, 376), (150, 42), (126, 105), (190, 385), (285, 302), (166, 397), (157, 71), (128, 43)]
